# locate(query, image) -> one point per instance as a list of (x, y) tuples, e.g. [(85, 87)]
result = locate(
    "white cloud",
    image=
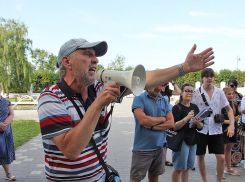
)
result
[(198, 13), (146, 35), (227, 31)]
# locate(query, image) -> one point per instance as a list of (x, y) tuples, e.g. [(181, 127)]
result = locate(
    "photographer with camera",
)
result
[(211, 134)]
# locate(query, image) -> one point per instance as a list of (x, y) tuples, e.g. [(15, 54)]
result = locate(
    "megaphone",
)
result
[(134, 80)]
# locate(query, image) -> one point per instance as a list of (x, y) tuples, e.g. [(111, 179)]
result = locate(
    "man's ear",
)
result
[(66, 62)]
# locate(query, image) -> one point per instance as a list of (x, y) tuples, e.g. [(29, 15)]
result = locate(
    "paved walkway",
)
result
[(29, 163)]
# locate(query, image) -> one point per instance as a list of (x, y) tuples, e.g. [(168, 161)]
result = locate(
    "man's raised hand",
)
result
[(196, 62)]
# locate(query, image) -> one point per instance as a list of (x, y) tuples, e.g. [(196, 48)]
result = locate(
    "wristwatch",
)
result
[(181, 70)]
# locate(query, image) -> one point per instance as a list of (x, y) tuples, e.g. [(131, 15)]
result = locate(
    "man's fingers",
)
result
[(206, 51), (193, 49), (208, 59), (208, 64)]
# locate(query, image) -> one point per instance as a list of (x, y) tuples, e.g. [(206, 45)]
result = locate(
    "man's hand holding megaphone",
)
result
[(109, 94)]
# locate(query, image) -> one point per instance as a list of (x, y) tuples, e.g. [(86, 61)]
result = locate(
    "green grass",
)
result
[(24, 130)]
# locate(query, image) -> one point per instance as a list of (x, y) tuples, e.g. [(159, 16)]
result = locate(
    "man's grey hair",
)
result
[(62, 70), (62, 67)]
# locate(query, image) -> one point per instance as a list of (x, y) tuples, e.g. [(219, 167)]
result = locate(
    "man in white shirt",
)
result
[(211, 134)]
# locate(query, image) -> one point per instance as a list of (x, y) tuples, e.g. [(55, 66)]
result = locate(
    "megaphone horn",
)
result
[(134, 80)]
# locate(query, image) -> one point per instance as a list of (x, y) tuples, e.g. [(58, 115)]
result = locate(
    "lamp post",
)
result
[(238, 59)]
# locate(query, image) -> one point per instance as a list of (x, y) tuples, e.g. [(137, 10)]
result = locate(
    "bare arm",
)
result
[(226, 122), (8, 120), (182, 122), (193, 62), (176, 90), (73, 142), (230, 129), (147, 121), (169, 123)]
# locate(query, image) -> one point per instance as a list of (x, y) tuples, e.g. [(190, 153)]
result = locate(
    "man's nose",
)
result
[(95, 60)]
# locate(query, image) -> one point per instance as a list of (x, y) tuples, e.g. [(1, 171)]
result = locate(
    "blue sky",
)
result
[(157, 34)]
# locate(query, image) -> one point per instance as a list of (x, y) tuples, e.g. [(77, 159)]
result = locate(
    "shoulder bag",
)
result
[(175, 138)]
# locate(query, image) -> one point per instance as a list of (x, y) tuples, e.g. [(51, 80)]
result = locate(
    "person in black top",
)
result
[(183, 112), (228, 141), (237, 97)]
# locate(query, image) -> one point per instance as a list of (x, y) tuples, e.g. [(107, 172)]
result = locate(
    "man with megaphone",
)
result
[(72, 113)]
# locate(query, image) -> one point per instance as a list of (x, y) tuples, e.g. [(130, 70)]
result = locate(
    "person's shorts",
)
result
[(184, 159), (151, 161), (232, 139), (214, 142)]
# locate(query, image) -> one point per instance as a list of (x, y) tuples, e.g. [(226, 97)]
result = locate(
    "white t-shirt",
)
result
[(217, 102), (242, 108)]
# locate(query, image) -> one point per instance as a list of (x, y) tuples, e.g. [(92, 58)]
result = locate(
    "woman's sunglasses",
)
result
[(233, 86), (189, 91)]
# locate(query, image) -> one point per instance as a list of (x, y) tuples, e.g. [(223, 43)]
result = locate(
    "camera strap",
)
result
[(203, 97)]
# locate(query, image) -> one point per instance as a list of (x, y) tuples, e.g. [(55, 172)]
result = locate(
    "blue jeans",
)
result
[(185, 158)]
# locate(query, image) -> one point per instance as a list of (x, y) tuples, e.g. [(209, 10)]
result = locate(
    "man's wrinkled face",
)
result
[(154, 92), (84, 65)]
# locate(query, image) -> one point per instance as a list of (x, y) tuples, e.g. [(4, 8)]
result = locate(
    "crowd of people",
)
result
[(73, 112), (218, 131), (74, 119)]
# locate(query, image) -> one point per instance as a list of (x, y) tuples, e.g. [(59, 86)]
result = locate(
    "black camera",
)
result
[(219, 118)]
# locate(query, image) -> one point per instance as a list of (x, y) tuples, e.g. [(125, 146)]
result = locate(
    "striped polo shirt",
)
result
[(58, 115)]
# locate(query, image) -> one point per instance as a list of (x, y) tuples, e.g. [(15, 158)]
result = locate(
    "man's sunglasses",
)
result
[(233, 86), (189, 91)]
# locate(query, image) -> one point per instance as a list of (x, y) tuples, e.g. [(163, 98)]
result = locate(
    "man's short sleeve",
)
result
[(53, 116), (168, 107), (138, 103)]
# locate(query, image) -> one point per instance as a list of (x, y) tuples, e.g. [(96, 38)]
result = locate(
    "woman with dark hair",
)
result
[(183, 112), (237, 97), (228, 141)]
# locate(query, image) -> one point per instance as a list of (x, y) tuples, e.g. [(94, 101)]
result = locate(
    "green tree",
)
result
[(224, 75), (118, 63), (43, 79), (100, 67), (128, 68), (43, 60), (14, 46)]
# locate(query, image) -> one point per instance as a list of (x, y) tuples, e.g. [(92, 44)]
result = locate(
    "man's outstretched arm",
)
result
[(193, 63)]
